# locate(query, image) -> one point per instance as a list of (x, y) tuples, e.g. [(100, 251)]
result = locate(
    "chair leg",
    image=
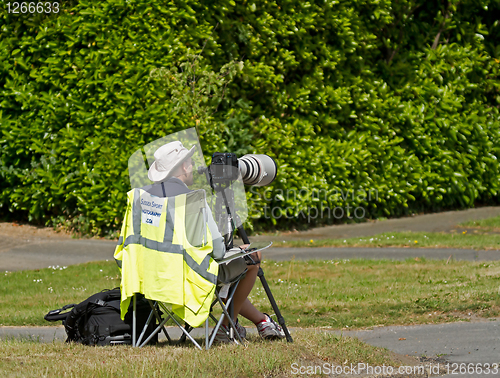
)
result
[(158, 317), (150, 317), (162, 322), (188, 328), (214, 332), (225, 313), (224, 310), (157, 330), (206, 334), (213, 318), (181, 327), (134, 320)]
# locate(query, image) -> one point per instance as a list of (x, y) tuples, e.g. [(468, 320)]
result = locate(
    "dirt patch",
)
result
[(15, 235), (477, 315), (27, 232)]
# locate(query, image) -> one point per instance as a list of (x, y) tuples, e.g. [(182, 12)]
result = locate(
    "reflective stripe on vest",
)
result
[(167, 246)]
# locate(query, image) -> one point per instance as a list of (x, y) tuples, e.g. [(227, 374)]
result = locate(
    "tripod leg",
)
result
[(263, 280), (281, 320)]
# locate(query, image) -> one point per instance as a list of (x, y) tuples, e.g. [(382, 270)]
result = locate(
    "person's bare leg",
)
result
[(244, 288), (240, 300), (251, 313)]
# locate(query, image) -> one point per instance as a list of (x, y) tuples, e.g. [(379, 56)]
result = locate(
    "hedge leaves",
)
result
[(382, 106)]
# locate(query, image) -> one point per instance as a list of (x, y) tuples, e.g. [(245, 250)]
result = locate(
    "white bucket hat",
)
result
[(168, 158)]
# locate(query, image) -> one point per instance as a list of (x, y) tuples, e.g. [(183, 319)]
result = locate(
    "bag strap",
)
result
[(56, 315), (114, 304)]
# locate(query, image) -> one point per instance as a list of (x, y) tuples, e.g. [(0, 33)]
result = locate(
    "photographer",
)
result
[(172, 173)]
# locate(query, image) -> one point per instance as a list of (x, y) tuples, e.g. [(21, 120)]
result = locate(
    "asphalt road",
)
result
[(463, 342), (40, 255), (380, 253), (476, 343)]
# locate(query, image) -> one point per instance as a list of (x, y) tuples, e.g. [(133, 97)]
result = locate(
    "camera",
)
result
[(258, 170), (224, 167), (223, 180)]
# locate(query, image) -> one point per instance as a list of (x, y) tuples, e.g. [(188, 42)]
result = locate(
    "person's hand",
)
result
[(256, 256)]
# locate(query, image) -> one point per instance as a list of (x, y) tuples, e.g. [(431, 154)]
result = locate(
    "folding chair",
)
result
[(157, 308), (181, 250)]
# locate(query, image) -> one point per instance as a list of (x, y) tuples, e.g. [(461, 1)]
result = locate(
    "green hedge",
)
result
[(398, 99)]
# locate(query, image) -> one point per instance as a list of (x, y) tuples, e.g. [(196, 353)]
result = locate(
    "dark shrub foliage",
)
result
[(387, 106)]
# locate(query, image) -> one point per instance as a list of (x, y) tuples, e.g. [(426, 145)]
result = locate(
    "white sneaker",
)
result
[(269, 329)]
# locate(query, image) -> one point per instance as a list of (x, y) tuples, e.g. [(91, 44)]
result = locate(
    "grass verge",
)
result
[(331, 294), (489, 224), (364, 293), (407, 239), (256, 359)]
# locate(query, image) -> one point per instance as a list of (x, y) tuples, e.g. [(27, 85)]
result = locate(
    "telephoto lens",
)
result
[(258, 170)]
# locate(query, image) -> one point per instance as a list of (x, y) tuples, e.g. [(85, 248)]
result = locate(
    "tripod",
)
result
[(227, 223)]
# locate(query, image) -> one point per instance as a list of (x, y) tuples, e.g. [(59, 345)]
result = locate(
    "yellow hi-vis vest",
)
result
[(157, 259)]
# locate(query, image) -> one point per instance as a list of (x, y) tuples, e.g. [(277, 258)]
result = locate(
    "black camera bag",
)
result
[(96, 320)]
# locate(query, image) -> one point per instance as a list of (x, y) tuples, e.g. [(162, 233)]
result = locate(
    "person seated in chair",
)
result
[(172, 174)]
